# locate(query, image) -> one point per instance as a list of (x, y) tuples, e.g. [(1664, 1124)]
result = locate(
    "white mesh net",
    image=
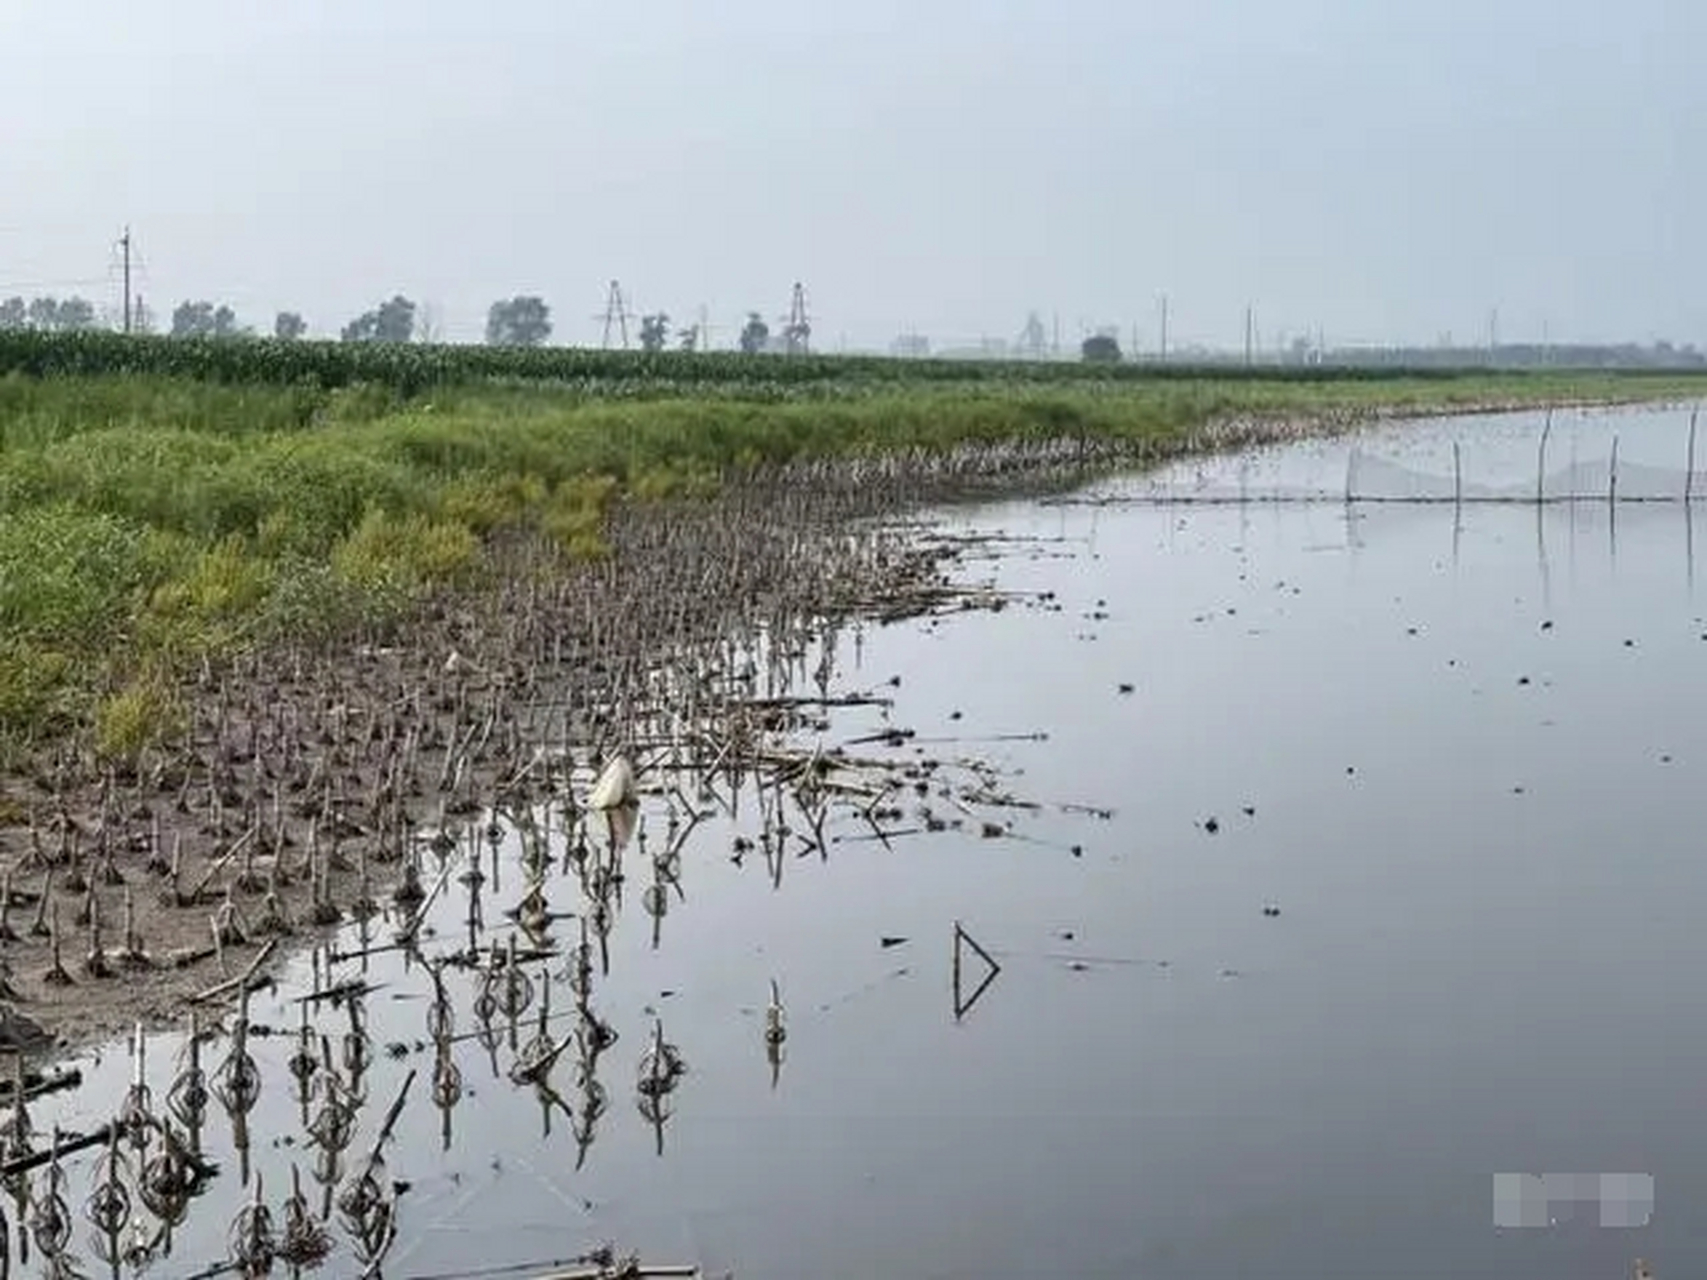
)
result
[(1644, 456)]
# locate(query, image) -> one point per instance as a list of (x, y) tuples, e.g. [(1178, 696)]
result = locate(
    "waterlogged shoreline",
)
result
[(310, 780), (565, 1033), (298, 781)]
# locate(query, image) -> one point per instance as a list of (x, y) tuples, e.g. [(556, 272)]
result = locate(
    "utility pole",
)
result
[(1164, 347), (124, 243), (1056, 317), (1250, 334)]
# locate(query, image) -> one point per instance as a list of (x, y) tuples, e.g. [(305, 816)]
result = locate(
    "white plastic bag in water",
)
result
[(615, 787)]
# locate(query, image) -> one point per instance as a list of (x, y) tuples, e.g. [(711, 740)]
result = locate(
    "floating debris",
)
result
[(775, 1031), (615, 787)]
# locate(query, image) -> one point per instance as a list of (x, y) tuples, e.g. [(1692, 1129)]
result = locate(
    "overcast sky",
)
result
[(1384, 169)]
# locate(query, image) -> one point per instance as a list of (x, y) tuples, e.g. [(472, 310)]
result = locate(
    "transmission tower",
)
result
[(615, 316), (797, 330), (1032, 342)]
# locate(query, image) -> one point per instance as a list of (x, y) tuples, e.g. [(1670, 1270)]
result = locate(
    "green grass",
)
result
[(166, 503)]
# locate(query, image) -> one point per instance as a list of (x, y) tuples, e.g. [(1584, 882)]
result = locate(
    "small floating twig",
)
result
[(352, 989), (626, 1270)]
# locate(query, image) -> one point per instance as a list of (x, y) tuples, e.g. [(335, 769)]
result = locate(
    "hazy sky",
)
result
[(1386, 170)]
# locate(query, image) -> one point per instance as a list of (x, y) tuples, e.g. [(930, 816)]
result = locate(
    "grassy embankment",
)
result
[(205, 497)]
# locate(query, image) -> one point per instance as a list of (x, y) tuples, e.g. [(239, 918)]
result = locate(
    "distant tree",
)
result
[(14, 314), (44, 313), (396, 320), (755, 334), (518, 322), (192, 320), (654, 331), (204, 320), (1100, 348), (76, 313), (688, 338), (288, 326), (392, 321)]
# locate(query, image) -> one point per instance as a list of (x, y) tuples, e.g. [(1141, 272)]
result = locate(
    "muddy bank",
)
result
[(311, 783)]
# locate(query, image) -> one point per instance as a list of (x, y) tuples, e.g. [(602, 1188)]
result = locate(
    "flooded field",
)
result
[(1241, 898)]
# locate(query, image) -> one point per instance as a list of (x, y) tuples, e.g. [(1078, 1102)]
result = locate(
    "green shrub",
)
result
[(405, 553), (145, 712), (67, 573), (33, 683)]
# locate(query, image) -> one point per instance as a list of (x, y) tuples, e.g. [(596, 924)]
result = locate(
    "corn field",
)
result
[(412, 368)]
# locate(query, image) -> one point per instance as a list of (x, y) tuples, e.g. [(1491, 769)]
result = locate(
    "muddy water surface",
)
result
[(1400, 888)]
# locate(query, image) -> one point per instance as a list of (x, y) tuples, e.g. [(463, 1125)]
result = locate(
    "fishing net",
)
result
[(1592, 465)]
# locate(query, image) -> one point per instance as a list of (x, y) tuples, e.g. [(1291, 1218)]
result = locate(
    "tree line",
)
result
[(54, 315), (521, 321)]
